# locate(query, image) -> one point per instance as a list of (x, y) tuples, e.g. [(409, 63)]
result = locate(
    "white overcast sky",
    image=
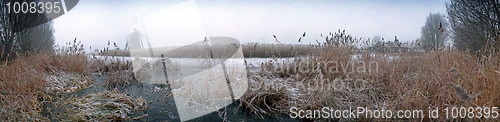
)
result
[(179, 22)]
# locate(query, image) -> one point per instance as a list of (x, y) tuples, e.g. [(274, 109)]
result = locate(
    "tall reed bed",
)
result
[(278, 50), (23, 81), (21, 88), (376, 81), (33, 79)]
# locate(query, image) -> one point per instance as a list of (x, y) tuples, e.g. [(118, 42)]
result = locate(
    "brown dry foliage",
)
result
[(402, 82), (23, 86)]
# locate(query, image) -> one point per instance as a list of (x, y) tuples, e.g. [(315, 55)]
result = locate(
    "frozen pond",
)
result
[(188, 88), (191, 90)]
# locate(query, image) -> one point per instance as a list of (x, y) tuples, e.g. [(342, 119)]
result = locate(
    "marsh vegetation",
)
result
[(65, 83), (331, 77)]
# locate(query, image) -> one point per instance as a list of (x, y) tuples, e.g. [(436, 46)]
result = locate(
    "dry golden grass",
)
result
[(397, 82), (421, 81), (279, 50), (117, 72), (21, 88), (430, 87), (408, 83), (24, 86), (104, 106)]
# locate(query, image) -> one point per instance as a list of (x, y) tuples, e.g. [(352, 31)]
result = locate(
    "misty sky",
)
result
[(178, 22)]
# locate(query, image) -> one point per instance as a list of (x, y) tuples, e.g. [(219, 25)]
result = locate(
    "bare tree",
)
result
[(435, 32), (39, 38), (474, 23), (23, 31)]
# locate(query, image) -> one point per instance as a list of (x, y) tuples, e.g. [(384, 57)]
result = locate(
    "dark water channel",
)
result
[(159, 106)]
